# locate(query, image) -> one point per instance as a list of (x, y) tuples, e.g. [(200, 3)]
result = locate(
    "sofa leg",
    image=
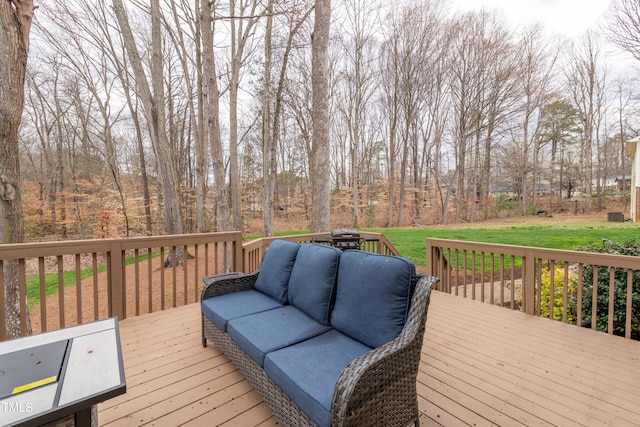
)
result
[(204, 340)]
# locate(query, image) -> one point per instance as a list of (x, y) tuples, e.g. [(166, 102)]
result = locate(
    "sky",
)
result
[(565, 18), (570, 18)]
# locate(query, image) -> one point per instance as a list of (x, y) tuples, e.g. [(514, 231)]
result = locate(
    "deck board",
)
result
[(482, 365)]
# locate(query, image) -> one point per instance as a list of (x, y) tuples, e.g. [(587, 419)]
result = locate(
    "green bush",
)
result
[(533, 210), (503, 202), (558, 294), (371, 215), (630, 247)]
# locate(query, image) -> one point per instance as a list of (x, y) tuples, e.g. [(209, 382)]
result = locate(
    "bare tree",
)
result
[(321, 150), (271, 122), (268, 147), (357, 87), (623, 25), (586, 77), (213, 115), (153, 102), (15, 24), (537, 71), (187, 44), (244, 16), (391, 69), (471, 53), (70, 38)]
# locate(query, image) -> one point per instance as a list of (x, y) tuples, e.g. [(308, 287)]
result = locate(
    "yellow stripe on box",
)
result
[(35, 384)]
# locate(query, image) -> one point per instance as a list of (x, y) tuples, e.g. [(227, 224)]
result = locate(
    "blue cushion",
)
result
[(275, 270), (223, 308), (313, 280), (308, 371), (260, 333), (373, 296)]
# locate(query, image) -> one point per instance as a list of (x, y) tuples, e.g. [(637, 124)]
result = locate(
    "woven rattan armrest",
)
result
[(227, 283), (379, 387)]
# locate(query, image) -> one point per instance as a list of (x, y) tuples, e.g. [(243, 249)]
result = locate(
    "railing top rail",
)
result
[(181, 239), (309, 237), (37, 249), (578, 257), (72, 247)]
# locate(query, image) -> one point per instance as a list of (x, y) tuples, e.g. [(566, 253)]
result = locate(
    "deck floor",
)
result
[(482, 365)]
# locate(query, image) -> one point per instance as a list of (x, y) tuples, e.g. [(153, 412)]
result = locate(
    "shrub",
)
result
[(558, 294), (533, 210), (630, 247), (371, 215), (503, 202)]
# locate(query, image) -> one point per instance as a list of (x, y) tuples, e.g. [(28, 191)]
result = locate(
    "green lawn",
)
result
[(411, 242), (69, 277)]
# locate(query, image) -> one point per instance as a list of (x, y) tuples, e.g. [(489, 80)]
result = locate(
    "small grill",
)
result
[(346, 239)]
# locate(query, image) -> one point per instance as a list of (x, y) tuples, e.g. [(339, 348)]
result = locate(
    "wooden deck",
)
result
[(482, 365)]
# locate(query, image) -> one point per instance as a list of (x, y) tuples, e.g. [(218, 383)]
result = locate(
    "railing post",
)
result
[(116, 282), (433, 258), (239, 261), (429, 258), (528, 283)]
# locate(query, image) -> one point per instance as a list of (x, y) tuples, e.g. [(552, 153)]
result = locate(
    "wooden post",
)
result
[(528, 283), (116, 281)]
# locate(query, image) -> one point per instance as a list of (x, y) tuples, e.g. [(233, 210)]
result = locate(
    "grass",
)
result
[(51, 285), (411, 242)]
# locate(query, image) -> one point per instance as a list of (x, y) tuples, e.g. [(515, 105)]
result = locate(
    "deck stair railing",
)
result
[(560, 284)]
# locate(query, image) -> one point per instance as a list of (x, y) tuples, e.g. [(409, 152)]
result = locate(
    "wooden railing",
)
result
[(540, 281), (254, 250), (115, 277), (74, 282)]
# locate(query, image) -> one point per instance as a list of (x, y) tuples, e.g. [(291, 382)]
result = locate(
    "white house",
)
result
[(633, 151)]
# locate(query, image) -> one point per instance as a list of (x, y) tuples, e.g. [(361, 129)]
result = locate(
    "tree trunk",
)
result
[(15, 24), (240, 36), (321, 150), (153, 103), (213, 117), (268, 143), (270, 164), (201, 143)]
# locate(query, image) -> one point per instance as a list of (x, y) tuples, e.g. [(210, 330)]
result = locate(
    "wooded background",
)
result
[(199, 114)]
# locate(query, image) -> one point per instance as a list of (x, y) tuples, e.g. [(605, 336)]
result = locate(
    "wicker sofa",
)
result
[(326, 337)]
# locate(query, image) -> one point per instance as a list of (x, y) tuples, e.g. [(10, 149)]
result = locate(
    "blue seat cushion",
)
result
[(373, 296), (313, 280), (275, 270), (261, 333), (308, 371), (223, 308)]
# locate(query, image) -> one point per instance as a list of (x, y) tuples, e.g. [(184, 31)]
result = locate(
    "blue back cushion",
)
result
[(275, 270), (313, 279), (373, 296)]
